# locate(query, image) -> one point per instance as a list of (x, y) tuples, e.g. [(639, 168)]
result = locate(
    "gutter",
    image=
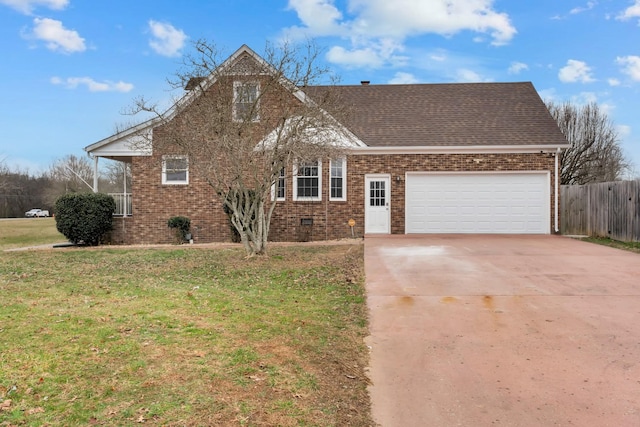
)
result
[(457, 149)]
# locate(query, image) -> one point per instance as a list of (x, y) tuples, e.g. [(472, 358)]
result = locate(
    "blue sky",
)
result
[(69, 67)]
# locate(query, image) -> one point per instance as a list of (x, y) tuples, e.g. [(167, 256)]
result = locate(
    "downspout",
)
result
[(326, 209), (557, 229)]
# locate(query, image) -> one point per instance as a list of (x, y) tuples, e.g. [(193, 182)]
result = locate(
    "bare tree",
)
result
[(244, 121), (595, 154), (69, 174), (4, 174), (114, 174), (20, 191)]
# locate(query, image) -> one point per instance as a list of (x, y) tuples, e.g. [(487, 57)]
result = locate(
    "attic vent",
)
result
[(365, 82)]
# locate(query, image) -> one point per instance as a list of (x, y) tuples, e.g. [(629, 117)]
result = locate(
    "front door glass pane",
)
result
[(377, 194)]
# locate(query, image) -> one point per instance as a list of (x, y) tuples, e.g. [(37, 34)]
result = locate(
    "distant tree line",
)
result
[(21, 190)]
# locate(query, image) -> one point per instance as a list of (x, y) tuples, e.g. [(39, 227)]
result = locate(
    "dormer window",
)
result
[(245, 101)]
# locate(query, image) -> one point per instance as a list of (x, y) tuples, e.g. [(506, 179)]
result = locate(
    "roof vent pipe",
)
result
[(365, 82)]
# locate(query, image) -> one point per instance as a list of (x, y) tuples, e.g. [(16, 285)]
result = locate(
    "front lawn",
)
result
[(183, 336)]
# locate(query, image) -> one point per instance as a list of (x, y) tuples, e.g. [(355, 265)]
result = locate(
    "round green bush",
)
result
[(182, 225), (84, 218)]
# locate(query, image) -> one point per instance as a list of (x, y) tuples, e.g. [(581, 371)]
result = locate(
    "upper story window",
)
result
[(278, 190), (307, 181), (175, 170), (338, 175), (245, 101)]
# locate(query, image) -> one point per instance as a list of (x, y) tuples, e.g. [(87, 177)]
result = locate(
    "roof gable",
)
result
[(244, 61)]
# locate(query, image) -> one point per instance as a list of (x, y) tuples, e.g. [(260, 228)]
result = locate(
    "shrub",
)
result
[(85, 217), (182, 226)]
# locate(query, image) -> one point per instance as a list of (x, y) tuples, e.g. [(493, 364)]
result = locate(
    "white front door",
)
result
[(376, 210)]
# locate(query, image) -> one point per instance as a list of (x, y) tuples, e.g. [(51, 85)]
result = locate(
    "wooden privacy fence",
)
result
[(608, 209)]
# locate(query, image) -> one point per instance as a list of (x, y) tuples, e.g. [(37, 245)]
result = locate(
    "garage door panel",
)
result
[(501, 211), (477, 203)]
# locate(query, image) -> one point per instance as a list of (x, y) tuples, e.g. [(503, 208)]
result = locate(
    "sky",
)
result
[(69, 69)]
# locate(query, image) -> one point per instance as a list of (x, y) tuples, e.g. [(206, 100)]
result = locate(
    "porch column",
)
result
[(124, 180), (95, 174)]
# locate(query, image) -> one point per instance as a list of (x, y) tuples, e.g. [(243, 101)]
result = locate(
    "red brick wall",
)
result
[(154, 203), (331, 218), (119, 235)]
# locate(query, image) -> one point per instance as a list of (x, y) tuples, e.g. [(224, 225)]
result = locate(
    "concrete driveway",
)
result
[(502, 330)]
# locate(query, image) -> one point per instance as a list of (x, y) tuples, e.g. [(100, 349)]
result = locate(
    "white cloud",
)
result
[(631, 12), (27, 6), (590, 5), (630, 66), (613, 82), (402, 78), (623, 130), (56, 36), (319, 16), (517, 67), (584, 98), (368, 54), (548, 95), (167, 40), (92, 85), (607, 107), (376, 23), (366, 57), (402, 18), (464, 75), (575, 71)]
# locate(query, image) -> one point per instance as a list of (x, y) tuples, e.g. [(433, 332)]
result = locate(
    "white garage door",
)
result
[(503, 203)]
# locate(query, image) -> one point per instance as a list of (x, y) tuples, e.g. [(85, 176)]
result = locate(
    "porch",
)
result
[(124, 206)]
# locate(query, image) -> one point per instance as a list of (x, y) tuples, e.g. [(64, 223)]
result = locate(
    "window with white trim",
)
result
[(175, 170), (278, 191), (337, 178), (307, 181), (245, 101)]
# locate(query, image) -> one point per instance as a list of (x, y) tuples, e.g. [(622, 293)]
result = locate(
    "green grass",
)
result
[(115, 336), (627, 246), (15, 233)]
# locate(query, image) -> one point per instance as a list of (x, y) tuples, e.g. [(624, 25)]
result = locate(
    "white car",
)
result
[(36, 213)]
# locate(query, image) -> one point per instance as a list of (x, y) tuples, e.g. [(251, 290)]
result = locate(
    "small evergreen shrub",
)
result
[(182, 227), (84, 218)]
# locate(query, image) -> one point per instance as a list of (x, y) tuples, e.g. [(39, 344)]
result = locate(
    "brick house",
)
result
[(428, 158)]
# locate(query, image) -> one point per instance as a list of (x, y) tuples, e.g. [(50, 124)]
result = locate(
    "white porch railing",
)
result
[(123, 204)]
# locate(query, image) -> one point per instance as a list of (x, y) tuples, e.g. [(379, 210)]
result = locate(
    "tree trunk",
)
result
[(249, 219)]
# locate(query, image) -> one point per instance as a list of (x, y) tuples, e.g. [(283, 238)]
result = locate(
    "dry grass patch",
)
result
[(183, 337), (627, 246), (15, 233)]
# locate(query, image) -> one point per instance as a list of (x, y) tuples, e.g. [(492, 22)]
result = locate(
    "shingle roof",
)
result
[(458, 114)]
